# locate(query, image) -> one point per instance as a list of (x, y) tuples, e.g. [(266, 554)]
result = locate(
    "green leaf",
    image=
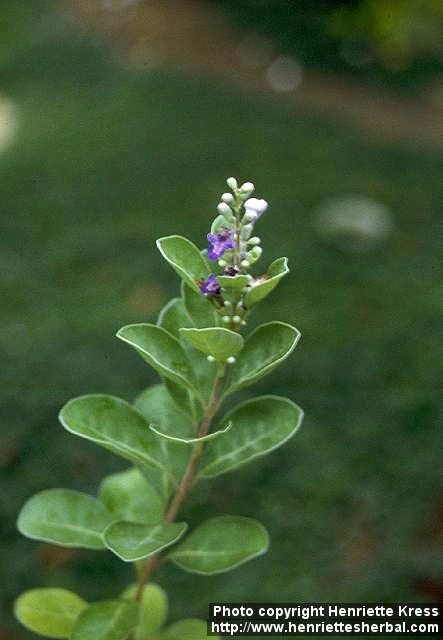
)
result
[(115, 425), (189, 629), (210, 436), (264, 349), (156, 405), (184, 258), (260, 425), (161, 350), (132, 541), (173, 316), (160, 410), (182, 397), (199, 308), (108, 620), (64, 517), (214, 341), (153, 609), (128, 496), (221, 544), (205, 373), (233, 282), (49, 612), (266, 283)]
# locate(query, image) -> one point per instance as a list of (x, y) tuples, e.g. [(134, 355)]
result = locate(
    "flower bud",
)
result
[(228, 303), (236, 319), (228, 198), (245, 264), (254, 254), (247, 187), (224, 209), (210, 359), (226, 319), (243, 323), (232, 183), (222, 263), (246, 231), (230, 360), (254, 240)]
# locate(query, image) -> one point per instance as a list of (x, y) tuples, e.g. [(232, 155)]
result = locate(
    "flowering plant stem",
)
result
[(187, 481), (169, 437)]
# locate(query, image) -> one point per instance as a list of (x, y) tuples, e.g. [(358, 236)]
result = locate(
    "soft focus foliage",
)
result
[(393, 42)]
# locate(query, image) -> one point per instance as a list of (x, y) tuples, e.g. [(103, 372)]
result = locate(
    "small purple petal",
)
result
[(220, 243), (210, 287)]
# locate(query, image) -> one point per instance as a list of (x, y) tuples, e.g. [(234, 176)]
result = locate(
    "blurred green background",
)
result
[(99, 158)]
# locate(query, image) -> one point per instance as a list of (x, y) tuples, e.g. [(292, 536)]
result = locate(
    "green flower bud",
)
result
[(228, 198), (224, 209)]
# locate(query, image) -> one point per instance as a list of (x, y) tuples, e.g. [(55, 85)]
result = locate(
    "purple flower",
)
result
[(210, 287), (220, 243)]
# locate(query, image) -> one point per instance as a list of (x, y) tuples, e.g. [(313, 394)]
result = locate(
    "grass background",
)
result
[(106, 159)]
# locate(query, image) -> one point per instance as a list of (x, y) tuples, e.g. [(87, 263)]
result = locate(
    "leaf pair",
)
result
[(132, 526), (187, 261), (59, 613), (70, 518), (258, 426), (264, 349)]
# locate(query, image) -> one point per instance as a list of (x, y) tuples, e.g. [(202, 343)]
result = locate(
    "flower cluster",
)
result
[(234, 249)]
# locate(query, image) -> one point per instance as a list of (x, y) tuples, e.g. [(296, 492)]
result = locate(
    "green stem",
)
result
[(187, 481), (237, 252)]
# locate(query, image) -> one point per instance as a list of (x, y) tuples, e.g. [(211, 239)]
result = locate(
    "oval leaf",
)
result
[(64, 517), (128, 496), (189, 629), (159, 409), (161, 350), (115, 425), (132, 541), (217, 342), (157, 406), (210, 436), (264, 349), (182, 397), (266, 283), (221, 544), (184, 258), (153, 609), (109, 620), (49, 612), (173, 316), (260, 425), (199, 308)]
